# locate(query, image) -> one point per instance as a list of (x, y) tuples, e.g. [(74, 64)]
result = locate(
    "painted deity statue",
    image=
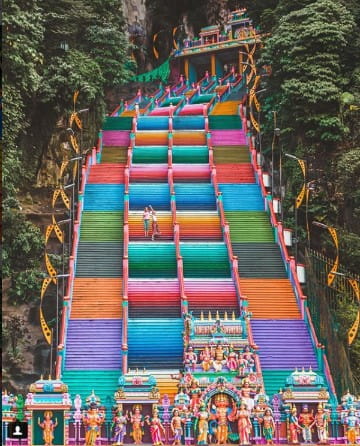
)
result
[(232, 359), (203, 425), (119, 426), (137, 423), (268, 425), (194, 392), (242, 365), (293, 427), (156, 428), (188, 419), (222, 416), (190, 358), (92, 420), (246, 395), (306, 420), (176, 427), (206, 359), (321, 424), (48, 426), (351, 421), (244, 424), (219, 360)]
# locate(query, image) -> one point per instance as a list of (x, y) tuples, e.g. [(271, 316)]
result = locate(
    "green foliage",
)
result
[(15, 337)]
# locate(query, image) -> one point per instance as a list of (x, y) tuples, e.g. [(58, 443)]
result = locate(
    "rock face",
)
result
[(134, 11)]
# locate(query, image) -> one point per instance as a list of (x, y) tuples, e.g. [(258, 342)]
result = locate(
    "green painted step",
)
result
[(102, 226), (224, 122), (203, 98), (231, 154), (190, 154), (118, 123), (152, 260), (249, 226), (205, 260), (274, 380), (83, 382), (260, 260), (114, 155), (174, 100), (150, 154)]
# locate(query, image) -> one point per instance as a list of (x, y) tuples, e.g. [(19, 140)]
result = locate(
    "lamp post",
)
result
[(276, 135), (299, 199), (332, 273)]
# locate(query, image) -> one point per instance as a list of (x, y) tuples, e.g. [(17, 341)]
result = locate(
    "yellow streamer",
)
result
[(51, 270), (156, 53), (63, 167), (44, 286), (173, 34), (45, 328), (49, 230), (331, 275), (55, 196), (300, 197), (78, 121), (75, 96), (74, 171), (65, 199), (352, 333), (74, 143), (254, 122), (58, 231)]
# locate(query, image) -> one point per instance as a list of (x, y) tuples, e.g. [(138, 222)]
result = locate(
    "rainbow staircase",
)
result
[(197, 173)]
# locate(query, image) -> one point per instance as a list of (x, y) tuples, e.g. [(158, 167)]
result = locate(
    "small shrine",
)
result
[(47, 409), (305, 386), (137, 387), (209, 34)]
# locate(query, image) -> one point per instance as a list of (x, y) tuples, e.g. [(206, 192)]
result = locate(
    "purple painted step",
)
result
[(283, 344), (93, 344)]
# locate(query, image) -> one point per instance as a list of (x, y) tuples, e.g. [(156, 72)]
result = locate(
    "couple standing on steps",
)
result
[(149, 212)]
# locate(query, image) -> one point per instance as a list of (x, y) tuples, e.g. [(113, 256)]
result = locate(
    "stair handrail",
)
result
[(67, 299), (291, 266)]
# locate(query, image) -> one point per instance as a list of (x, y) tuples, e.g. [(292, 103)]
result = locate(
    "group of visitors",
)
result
[(150, 214)]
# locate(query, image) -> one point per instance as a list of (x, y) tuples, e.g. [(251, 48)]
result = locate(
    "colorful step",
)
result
[(249, 226), (115, 138), (136, 226), (190, 154), (104, 197), (241, 197), (152, 123), (154, 298), (156, 195), (106, 173), (205, 260), (189, 137), (259, 260), (231, 154), (270, 298), (117, 123), (99, 259), (194, 196), (151, 138), (111, 155), (149, 347), (83, 382), (188, 122), (102, 226), (152, 260), (190, 173), (284, 344), (97, 298), (226, 108), (93, 344), (224, 122), (150, 154), (228, 137), (200, 225), (235, 173), (206, 295), (149, 173)]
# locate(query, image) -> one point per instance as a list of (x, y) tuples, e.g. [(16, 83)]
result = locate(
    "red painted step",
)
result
[(107, 173), (235, 173)]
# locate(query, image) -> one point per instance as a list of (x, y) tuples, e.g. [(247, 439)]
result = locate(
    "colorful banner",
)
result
[(331, 275), (352, 333), (300, 197)]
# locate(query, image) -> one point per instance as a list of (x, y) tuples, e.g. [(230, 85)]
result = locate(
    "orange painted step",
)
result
[(189, 138), (270, 298), (151, 138), (136, 226), (199, 225), (97, 298), (226, 108), (128, 113)]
